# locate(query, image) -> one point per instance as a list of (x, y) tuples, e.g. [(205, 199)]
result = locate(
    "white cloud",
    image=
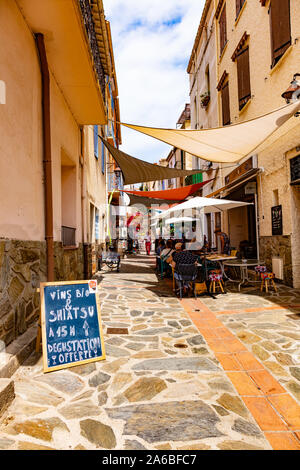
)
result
[(152, 42)]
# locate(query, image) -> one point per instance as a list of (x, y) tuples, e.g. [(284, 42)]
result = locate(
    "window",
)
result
[(280, 28), (243, 71), (96, 141), (207, 79), (223, 29), (68, 200), (225, 104), (239, 5)]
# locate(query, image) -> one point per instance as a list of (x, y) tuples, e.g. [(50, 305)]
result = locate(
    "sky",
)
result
[(152, 41)]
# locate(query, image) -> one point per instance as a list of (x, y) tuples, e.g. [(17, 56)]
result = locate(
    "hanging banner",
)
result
[(71, 324)]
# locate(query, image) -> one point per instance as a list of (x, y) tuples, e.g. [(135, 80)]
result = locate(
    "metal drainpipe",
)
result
[(47, 163)]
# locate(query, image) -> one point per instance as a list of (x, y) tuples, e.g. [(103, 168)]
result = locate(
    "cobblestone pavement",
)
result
[(211, 374)]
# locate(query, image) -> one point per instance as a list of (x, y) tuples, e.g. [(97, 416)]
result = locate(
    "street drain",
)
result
[(117, 331), (180, 345)]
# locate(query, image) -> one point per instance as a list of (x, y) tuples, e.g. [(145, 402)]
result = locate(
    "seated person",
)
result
[(182, 257), (165, 256), (194, 246), (223, 242)]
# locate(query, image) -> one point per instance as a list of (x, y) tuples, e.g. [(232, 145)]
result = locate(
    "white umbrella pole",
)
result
[(256, 225)]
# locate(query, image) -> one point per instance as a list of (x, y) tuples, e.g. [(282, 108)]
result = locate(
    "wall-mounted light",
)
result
[(2, 92)]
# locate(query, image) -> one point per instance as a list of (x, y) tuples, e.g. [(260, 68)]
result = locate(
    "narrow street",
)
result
[(203, 374)]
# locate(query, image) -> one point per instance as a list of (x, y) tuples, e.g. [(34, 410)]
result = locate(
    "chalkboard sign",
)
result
[(276, 220), (71, 324), (295, 169)]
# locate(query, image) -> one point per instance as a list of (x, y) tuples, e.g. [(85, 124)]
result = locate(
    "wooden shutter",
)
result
[(225, 104), (102, 158), (223, 29), (243, 71), (280, 28), (239, 4)]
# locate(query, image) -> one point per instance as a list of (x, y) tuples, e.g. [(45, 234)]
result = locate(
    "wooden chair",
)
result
[(186, 274), (265, 278), (259, 270)]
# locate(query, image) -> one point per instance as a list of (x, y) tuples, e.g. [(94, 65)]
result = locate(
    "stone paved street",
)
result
[(200, 374)]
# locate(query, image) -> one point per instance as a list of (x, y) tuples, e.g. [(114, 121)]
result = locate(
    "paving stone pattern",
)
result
[(189, 375)]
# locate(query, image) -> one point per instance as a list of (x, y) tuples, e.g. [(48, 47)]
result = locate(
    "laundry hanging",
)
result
[(177, 194)]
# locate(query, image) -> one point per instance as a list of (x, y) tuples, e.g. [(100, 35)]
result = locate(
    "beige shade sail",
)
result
[(227, 144), (206, 204), (139, 171)]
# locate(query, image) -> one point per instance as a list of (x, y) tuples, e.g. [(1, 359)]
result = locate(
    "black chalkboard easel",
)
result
[(70, 324)]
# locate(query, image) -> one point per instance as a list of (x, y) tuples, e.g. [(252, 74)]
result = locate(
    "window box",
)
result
[(205, 99)]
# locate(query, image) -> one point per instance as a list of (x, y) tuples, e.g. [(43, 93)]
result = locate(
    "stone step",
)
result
[(7, 394)]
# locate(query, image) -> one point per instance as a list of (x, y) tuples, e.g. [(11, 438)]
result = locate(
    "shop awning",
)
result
[(139, 171), (178, 194), (235, 184), (228, 144)]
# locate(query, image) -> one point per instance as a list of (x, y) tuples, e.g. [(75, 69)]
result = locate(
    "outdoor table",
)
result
[(243, 265)]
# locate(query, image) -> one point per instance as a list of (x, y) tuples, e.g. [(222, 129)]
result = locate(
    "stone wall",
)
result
[(22, 268), (278, 246)]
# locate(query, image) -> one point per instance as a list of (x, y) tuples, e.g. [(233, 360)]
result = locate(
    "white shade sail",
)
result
[(207, 204), (228, 144)]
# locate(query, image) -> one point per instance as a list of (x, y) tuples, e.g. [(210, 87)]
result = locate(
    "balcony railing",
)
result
[(87, 16)]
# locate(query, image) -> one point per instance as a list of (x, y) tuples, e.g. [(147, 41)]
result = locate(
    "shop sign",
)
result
[(71, 324), (295, 169), (250, 188), (276, 213)]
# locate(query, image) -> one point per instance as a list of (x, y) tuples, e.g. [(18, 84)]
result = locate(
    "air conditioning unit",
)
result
[(277, 267)]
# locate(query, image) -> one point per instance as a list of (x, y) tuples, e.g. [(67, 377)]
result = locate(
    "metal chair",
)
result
[(186, 273)]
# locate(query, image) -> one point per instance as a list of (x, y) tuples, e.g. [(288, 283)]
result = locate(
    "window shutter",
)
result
[(96, 141), (243, 71), (223, 29), (280, 28), (225, 104)]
